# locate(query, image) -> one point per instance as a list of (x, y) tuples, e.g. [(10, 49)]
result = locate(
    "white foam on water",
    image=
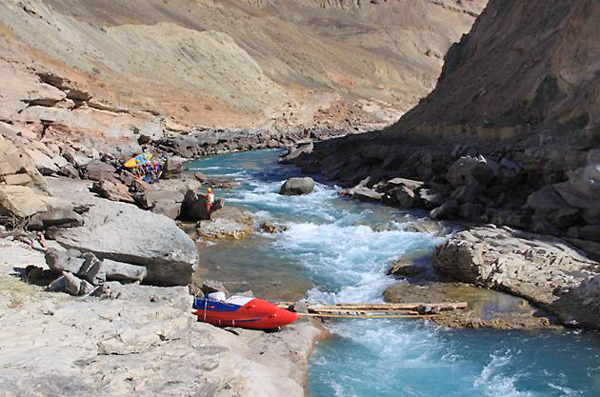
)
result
[(565, 391), (334, 239), (266, 197), (382, 358), (349, 261), (494, 382)]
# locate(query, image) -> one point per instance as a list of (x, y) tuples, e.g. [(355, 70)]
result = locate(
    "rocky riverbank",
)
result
[(544, 270), (479, 189), (134, 340), (96, 232)]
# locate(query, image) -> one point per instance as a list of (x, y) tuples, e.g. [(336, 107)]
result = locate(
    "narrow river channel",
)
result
[(337, 250)]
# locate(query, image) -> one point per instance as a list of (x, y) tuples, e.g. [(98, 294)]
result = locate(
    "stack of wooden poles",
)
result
[(378, 310)]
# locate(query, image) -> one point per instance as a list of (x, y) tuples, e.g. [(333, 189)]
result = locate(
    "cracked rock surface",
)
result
[(542, 269), (145, 342)]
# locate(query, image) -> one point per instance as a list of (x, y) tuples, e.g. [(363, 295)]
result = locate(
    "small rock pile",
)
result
[(82, 273)]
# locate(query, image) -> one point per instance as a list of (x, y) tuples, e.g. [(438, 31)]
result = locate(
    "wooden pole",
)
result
[(391, 306), (357, 316), (340, 311)]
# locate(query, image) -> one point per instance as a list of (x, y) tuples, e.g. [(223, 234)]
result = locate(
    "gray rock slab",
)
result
[(541, 269), (64, 261), (23, 201), (124, 233), (119, 271), (145, 343), (61, 217)]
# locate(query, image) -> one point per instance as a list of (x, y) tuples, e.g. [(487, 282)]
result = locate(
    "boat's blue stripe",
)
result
[(210, 305)]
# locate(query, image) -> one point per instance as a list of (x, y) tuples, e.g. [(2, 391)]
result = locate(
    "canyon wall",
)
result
[(511, 133)]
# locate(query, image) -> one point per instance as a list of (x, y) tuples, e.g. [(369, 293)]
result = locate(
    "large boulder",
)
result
[(59, 217), (22, 202), (113, 190), (92, 269), (67, 261), (124, 233), (541, 269), (297, 186), (469, 169), (193, 207), (16, 165), (98, 171), (172, 168), (164, 202)]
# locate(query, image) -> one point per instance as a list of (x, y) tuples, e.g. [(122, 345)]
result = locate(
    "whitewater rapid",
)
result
[(339, 251)]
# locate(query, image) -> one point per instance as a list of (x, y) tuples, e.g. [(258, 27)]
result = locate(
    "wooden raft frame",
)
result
[(378, 310)]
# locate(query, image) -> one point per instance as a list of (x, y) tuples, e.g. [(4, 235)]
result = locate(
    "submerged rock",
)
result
[(272, 228), (485, 308)]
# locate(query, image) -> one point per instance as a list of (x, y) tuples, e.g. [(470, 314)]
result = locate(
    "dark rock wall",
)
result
[(524, 63), (523, 90)]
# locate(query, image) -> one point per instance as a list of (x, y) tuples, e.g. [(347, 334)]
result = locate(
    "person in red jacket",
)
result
[(210, 200)]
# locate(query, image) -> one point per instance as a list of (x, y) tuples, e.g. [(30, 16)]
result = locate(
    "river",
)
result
[(337, 250)]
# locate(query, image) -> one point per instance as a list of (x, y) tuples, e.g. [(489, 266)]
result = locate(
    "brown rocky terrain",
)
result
[(509, 136), (245, 64)]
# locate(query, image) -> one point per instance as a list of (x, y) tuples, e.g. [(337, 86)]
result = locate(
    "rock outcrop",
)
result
[(89, 267), (230, 223), (541, 269), (124, 233), (16, 166)]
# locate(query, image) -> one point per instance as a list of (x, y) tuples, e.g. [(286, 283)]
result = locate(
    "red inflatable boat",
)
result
[(241, 311)]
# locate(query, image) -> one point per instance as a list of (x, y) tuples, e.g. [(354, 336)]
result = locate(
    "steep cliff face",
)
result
[(243, 63), (511, 133), (525, 82), (526, 64)]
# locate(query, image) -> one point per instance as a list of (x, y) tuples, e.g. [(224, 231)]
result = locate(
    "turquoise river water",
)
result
[(337, 250)]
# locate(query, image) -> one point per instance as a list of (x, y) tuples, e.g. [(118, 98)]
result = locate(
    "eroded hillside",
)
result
[(240, 63)]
